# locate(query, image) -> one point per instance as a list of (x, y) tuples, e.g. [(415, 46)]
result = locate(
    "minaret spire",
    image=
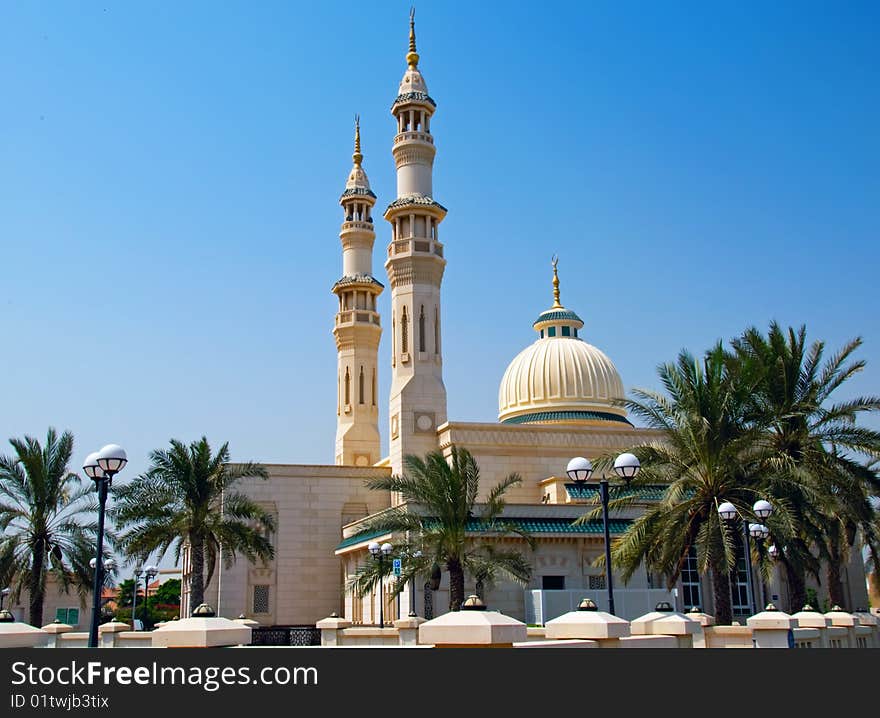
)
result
[(412, 57), (357, 156), (556, 304)]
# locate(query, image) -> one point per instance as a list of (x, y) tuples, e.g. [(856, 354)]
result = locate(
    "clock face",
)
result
[(424, 422)]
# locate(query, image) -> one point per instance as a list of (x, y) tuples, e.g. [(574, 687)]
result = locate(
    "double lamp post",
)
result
[(579, 470), (101, 466)]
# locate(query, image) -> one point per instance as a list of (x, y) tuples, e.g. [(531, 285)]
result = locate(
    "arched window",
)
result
[(347, 387), (404, 332), (361, 387), (422, 329), (436, 330), (393, 340), (373, 386)]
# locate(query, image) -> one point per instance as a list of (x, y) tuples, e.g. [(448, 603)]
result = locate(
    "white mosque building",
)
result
[(555, 402)]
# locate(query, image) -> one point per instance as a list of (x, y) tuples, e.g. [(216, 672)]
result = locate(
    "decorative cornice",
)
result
[(357, 192), (557, 315), (415, 200), (421, 97), (540, 417), (534, 436), (357, 280)]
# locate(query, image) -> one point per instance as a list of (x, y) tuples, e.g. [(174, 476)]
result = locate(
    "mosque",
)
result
[(555, 402)]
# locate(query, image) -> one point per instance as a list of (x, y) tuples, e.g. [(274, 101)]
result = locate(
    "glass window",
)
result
[(575, 332), (542, 334), (551, 332), (690, 581), (566, 331), (553, 583)]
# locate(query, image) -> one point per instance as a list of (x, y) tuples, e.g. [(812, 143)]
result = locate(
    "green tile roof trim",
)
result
[(357, 192), (418, 200), (357, 279), (648, 492), (358, 537), (558, 315), (413, 97), (539, 417), (549, 525)]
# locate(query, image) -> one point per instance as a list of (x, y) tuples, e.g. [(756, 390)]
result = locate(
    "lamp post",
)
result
[(579, 470), (150, 572), (412, 588), (380, 553), (134, 599), (3, 594), (101, 466), (757, 530)]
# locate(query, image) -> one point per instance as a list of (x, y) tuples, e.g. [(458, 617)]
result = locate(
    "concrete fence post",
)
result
[(330, 628), (772, 628), (808, 617), (108, 633), (847, 622), (408, 630), (54, 630)]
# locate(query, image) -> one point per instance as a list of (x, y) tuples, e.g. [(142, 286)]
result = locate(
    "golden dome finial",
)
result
[(412, 57), (357, 156), (556, 304)]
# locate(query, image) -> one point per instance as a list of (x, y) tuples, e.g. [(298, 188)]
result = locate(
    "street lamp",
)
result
[(380, 553), (762, 510), (134, 599), (412, 587), (150, 572), (579, 470), (3, 594), (101, 466)]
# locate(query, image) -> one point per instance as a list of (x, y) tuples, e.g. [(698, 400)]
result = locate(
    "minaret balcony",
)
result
[(414, 246), (414, 137), (357, 316), (356, 225)]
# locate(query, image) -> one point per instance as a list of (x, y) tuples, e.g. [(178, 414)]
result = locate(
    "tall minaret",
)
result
[(415, 269), (357, 329)]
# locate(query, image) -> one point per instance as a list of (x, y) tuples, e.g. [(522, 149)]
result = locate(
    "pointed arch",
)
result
[(404, 332), (422, 339), (361, 386), (347, 387)]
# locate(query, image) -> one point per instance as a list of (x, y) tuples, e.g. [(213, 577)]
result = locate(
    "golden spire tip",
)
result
[(556, 304), (357, 156), (412, 57)]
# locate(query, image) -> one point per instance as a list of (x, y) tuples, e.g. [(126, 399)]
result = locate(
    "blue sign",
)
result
[(396, 565)]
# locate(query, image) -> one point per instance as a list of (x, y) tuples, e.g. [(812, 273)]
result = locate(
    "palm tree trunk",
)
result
[(721, 597), (36, 585), (832, 571), (197, 574), (835, 583), (456, 584), (797, 587)]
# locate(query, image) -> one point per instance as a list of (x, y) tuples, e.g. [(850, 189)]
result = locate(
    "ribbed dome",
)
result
[(560, 379)]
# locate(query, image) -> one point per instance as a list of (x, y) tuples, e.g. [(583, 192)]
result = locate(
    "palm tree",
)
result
[(438, 510), (814, 447), (187, 497), (705, 454), (46, 520)]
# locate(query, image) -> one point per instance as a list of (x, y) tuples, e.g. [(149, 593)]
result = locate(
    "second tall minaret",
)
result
[(415, 267), (357, 330)]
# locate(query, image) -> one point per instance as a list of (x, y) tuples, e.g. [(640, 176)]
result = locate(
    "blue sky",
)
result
[(169, 176)]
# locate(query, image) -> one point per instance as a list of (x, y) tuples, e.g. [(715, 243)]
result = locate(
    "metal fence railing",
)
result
[(286, 636)]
